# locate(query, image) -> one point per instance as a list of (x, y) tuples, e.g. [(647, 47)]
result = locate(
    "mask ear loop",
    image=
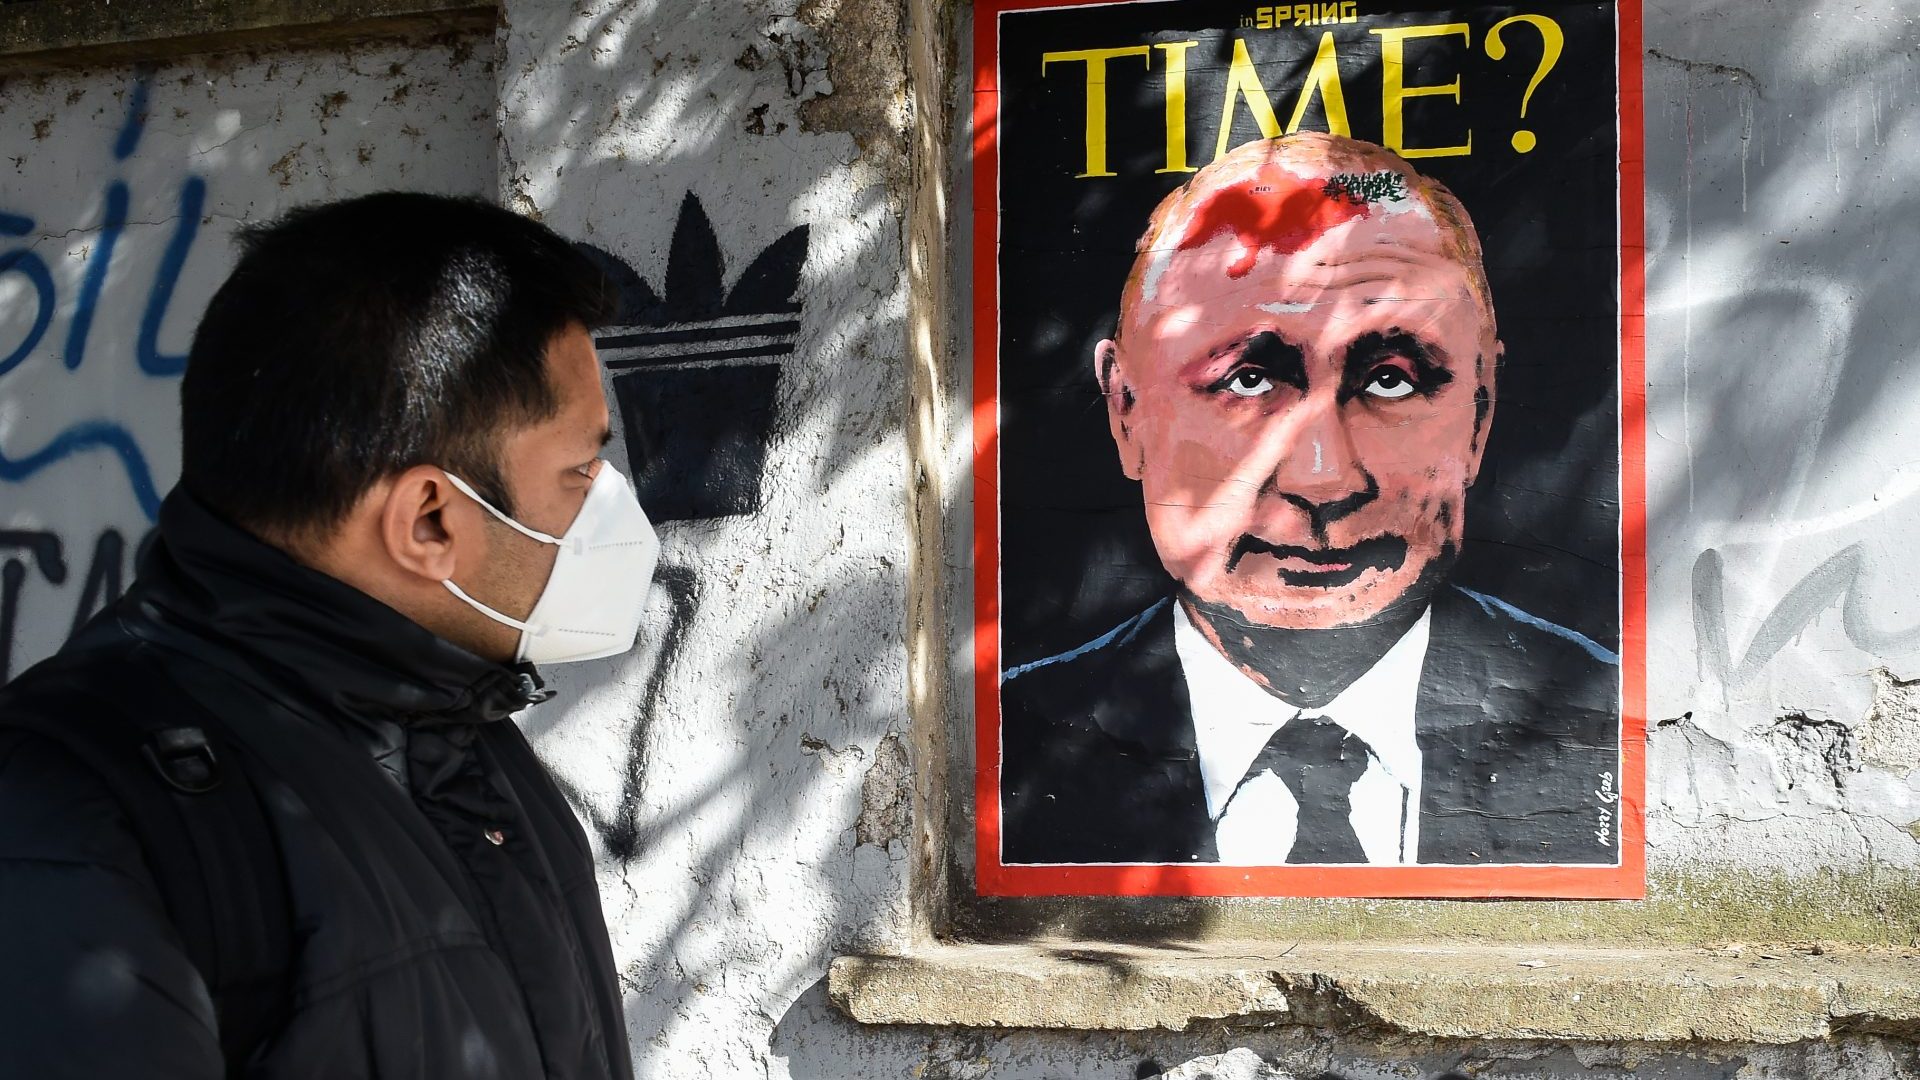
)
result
[(535, 534), (527, 628), (507, 620)]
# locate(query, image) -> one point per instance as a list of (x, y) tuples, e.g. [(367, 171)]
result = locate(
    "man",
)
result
[(1302, 382), (391, 502)]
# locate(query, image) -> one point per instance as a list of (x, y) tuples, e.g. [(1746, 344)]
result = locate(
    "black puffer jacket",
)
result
[(442, 900)]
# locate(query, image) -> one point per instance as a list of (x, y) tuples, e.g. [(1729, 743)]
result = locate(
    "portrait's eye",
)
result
[(1249, 382), (1388, 382)]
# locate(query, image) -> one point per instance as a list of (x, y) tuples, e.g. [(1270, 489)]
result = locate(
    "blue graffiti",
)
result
[(28, 263), (96, 279), (135, 124), (89, 436), (193, 198)]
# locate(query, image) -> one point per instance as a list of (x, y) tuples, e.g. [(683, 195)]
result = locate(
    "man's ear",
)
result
[(1484, 398), (1120, 399), (419, 520)]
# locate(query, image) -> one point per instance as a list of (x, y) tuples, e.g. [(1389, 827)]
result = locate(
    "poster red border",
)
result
[(1624, 881)]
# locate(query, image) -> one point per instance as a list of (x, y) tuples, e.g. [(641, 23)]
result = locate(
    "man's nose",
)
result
[(1317, 469)]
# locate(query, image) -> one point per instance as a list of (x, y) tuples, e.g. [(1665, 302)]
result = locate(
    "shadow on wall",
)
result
[(743, 772), (1781, 227)]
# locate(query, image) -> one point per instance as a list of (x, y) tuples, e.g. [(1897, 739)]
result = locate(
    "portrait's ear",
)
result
[(1486, 396), (1119, 397), (418, 525)]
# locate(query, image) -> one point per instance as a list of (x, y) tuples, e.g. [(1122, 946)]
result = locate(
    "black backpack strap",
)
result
[(183, 781)]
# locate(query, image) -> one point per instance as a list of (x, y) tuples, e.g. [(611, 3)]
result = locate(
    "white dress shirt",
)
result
[(1233, 717)]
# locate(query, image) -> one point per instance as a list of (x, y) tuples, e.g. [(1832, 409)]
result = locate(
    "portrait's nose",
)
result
[(1316, 468)]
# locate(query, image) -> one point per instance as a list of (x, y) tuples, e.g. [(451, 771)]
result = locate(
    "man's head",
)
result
[(1302, 380), (362, 350)]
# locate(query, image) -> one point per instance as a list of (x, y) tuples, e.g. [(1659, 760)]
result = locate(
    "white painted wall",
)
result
[(89, 439), (744, 776), (1782, 237)]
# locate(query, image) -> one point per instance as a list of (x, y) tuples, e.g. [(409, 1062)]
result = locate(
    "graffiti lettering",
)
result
[(98, 434), (1837, 580), (25, 552)]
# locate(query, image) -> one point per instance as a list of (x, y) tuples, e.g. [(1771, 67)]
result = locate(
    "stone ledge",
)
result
[(1749, 996), (41, 34)]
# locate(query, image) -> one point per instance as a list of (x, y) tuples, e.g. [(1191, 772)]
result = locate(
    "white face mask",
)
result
[(592, 602)]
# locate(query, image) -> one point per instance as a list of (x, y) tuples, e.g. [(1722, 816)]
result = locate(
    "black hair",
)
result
[(358, 338)]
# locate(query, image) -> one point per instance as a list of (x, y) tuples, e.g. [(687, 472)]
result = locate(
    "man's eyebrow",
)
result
[(1429, 361), (1259, 346), (1278, 356)]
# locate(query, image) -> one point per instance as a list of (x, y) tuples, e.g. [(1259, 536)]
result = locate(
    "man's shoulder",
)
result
[(54, 804), (105, 670), (1102, 649), (1505, 623), (1102, 682), (1097, 758), (1489, 659), (1507, 644), (56, 810)]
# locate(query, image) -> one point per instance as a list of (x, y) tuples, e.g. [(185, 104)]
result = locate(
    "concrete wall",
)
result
[(1780, 226), (766, 776), (119, 194), (745, 770)]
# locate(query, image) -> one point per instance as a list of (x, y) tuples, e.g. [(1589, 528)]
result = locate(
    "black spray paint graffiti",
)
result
[(695, 374), (694, 371), (23, 551), (1837, 580)]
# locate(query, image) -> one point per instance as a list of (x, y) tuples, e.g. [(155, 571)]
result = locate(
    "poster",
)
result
[(1309, 518)]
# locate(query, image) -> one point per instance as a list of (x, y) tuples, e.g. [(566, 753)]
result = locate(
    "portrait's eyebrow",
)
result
[(1429, 362), (1265, 350)]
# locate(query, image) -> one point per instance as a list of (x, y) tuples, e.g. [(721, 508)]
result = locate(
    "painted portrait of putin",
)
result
[(1302, 379)]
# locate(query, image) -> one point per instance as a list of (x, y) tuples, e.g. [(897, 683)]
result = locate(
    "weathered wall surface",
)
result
[(1780, 229), (119, 194), (745, 771), (776, 192)]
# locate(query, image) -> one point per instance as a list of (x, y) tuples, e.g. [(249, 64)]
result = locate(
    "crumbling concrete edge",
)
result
[(931, 405), (40, 35), (1596, 995)]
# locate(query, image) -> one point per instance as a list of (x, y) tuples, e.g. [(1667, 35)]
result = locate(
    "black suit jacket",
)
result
[(1517, 722)]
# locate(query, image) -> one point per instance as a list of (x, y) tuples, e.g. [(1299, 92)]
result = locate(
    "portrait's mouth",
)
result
[(1323, 568)]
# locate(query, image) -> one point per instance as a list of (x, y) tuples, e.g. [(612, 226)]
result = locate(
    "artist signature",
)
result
[(1607, 797)]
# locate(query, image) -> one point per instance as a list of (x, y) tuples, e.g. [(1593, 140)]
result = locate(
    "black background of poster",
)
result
[(1542, 523)]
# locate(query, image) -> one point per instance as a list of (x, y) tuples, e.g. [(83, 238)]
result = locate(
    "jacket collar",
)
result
[(312, 633)]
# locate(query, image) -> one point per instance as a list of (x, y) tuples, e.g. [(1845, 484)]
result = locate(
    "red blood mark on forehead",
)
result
[(1273, 209)]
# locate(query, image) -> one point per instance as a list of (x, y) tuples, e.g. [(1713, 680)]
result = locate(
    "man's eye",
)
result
[(1388, 382), (1249, 382)]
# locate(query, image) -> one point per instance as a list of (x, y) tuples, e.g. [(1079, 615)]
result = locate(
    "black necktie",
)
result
[(1319, 761)]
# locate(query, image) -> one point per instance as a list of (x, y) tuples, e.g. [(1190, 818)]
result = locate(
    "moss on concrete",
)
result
[(1710, 908), (1471, 992)]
